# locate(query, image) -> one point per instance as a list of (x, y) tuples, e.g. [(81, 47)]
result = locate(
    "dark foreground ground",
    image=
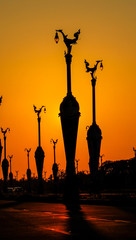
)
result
[(52, 221)]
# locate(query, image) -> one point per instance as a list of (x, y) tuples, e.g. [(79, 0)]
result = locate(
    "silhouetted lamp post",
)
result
[(0, 150), (69, 114), (77, 160), (0, 100), (55, 165), (94, 135), (134, 151), (0, 139), (28, 170), (39, 153), (5, 163), (101, 157), (10, 174)]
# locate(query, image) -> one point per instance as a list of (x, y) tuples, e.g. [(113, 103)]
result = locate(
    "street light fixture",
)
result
[(77, 160), (55, 165), (94, 134), (39, 153), (28, 170), (101, 66), (69, 114), (0, 100), (0, 139), (5, 163), (56, 37), (101, 157), (0, 150), (10, 174)]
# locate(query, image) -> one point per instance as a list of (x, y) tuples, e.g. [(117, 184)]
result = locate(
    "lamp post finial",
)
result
[(68, 42), (93, 69)]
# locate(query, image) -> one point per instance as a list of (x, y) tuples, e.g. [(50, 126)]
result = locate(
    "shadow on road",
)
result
[(80, 228)]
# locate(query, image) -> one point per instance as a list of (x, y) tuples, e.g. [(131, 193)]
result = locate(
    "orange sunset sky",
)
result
[(33, 71)]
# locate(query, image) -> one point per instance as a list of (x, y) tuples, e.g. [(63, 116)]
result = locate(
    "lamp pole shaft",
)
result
[(28, 160), (54, 154), (93, 96), (68, 62), (4, 147), (10, 165), (39, 132), (77, 167)]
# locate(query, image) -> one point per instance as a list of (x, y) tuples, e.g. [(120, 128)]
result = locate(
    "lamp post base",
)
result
[(94, 137), (71, 193), (5, 166), (11, 178), (39, 157), (69, 113), (55, 173)]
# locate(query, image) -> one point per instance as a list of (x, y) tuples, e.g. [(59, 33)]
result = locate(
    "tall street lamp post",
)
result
[(0, 150), (134, 151), (77, 160), (55, 165), (94, 134), (69, 114), (28, 170), (0, 139), (0, 100), (101, 158), (5, 164), (10, 174), (39, 153)]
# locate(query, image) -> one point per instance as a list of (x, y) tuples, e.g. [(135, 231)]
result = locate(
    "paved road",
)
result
[(40, 221)]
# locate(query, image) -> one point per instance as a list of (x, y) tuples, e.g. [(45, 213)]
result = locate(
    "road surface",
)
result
[(51, 221)]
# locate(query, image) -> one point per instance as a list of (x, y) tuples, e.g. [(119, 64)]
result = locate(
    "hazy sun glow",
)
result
[(33, 71)]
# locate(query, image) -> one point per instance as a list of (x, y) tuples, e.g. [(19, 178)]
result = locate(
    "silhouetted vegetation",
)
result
[(115, 176), (118, 174)]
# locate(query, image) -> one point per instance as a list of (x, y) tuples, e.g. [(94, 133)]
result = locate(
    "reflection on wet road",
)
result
[(54, 221)]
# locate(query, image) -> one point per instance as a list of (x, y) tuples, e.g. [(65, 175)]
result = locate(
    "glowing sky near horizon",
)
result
[(33, 71)]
